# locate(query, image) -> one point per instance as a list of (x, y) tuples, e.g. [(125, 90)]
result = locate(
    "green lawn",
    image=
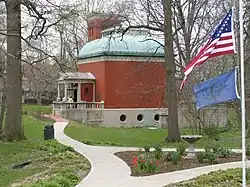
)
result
[(11, 153), (138, 137), (30, 108), (54, 164), (230, 177), (33, 128), (123, 136)]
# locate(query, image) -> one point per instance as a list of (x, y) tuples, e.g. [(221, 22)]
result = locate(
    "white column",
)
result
[(58, 90), (93, 92), (79, 92), (66, 91)]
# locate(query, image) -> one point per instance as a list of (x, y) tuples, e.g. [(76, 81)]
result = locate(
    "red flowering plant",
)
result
[(152, 166), (145, 164), (139, 163), (135, 161)]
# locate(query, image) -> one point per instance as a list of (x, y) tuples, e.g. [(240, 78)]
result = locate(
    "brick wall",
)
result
[(128, 84)]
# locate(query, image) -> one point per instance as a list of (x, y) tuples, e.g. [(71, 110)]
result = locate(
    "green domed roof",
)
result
[(129, 45)]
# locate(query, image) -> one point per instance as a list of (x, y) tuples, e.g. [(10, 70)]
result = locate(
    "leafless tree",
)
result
[(40, 80), (208, 70), (170, 67), (2, 90), (192, 22), (2, 66), (38, 29), (13, 126), (71, 33), (247, 63)]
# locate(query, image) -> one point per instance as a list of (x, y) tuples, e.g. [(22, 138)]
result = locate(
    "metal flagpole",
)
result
[(243, 121)]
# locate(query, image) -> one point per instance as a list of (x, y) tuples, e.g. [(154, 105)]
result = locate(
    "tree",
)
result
[(2, 67), (170, 67), (192, 21), (71, 32), (42, 16), (3, 90), (247, 64), (2, 96), (13, 126), (41, 80)]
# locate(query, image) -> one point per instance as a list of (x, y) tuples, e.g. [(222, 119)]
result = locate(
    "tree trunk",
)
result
[(170, 67), (13, 124), (247, 69), (38, 96), (2, 112), (39, 103)]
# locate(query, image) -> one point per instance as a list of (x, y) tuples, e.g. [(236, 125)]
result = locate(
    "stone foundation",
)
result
[(139, 117)]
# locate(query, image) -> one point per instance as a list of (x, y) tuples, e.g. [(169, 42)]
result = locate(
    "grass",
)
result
[(122, 136), (53, 164), (230, 177), (138, 137), (33, 128), (11, 153), (31, 108)]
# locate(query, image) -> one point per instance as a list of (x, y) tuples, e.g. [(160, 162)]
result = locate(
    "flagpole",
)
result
[(243, 121)]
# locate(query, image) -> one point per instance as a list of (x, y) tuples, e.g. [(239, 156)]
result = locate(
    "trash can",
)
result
[(49, 132)]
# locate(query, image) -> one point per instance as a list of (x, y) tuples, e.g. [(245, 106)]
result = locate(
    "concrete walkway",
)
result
[(107, 170)]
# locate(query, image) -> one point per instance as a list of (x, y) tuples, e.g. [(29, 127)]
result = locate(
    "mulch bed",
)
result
[(168, 166)]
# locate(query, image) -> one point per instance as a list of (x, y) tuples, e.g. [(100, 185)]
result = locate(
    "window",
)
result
[(156, 117), (140, 117), (123, 118)]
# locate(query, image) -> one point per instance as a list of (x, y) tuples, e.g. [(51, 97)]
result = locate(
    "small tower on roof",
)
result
[(97, 22)]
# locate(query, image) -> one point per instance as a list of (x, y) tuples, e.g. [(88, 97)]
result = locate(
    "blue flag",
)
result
[(217, 90)]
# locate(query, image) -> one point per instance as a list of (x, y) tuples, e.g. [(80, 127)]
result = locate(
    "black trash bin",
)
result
[(49, 132)]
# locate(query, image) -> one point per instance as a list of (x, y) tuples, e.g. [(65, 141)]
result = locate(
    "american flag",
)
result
[(220, 42)]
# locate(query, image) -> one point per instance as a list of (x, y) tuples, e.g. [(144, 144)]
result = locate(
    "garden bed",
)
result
[(148, 163)]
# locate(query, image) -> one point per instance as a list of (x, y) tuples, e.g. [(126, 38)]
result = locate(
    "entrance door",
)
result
[(75, 95), (87, 92)]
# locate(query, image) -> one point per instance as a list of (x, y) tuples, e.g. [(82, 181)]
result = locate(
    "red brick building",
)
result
[(120, 80), (128, 71)]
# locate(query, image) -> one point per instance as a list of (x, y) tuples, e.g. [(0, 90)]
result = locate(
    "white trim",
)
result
[(120, 58), (158, 109), (75, 81)]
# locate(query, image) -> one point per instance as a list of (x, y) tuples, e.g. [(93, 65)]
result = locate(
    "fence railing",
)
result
[(77, 106)]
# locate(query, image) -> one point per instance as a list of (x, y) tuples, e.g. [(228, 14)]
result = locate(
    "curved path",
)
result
[(107, 170)]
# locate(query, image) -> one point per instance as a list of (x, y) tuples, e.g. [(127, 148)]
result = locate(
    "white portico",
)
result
[(79, 86)]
